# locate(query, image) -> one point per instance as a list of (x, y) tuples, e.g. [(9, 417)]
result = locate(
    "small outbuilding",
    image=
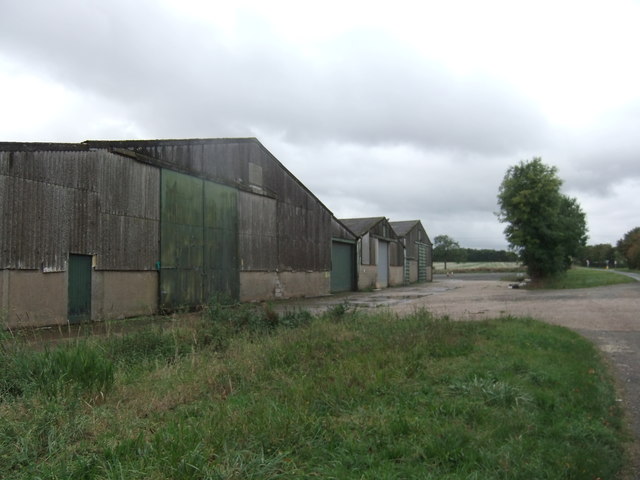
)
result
[(418, 249), (380, 254)]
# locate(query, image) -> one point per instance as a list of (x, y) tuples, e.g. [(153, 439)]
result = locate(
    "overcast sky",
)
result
[(409, 110)]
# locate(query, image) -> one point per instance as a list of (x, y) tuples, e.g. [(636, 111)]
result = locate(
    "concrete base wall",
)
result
[(31, 298), (396, 276), (123, 294), (367, 277), (255, 286), (413, 271)]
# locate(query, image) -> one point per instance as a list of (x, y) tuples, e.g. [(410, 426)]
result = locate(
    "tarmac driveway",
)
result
[(609, 316)]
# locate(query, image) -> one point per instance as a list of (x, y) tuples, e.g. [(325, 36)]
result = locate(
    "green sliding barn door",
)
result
[(221, 274), (198, 241)]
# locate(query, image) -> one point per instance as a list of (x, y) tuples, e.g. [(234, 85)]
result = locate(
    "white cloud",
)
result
[(410, 110)]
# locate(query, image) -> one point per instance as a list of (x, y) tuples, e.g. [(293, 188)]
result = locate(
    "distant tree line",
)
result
[(462, 255), (626, 253), (448, 250)]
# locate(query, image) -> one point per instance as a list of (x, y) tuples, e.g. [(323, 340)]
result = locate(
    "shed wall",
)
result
[(303, 224), (93, 203), (257, 232)]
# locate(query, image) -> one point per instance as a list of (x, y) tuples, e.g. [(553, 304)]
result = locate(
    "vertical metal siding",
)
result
[(257, 232), (85, 202), (181, 240), (303, 223), (129, 194), (220, 269), (43, 222)]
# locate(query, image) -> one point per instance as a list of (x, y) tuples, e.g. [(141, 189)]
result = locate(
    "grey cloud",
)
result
[(367, 123), (604, 155), (183, 80)]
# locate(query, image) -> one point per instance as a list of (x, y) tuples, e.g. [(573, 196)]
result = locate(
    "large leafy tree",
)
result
[(629, 247), (545, 227)]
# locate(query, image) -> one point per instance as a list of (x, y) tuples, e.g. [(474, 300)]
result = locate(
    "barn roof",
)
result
[(360, 226), (403, 227)]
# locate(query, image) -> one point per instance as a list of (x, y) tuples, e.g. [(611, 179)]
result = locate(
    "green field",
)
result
[(248, 393), (468, 267)]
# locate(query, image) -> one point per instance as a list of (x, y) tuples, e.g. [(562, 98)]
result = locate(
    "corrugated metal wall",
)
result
[(303, 224), (49, 208), (257, 232), (129, 194), (83, 199), (338, 230), (86, 202)]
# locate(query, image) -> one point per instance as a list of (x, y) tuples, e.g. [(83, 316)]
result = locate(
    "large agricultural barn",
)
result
[(106, 229)]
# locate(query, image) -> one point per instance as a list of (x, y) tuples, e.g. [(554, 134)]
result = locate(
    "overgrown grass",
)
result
[(578, 277), (249, 393)]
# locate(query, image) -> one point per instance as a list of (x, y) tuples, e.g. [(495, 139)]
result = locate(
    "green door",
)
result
[(422, 262), (181, 240), (343, 266), (198, 241), (220, 268), (79, 288)]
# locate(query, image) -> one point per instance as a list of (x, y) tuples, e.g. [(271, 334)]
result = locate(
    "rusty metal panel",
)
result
[(220, 269), (257, 232), (181, 240)]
